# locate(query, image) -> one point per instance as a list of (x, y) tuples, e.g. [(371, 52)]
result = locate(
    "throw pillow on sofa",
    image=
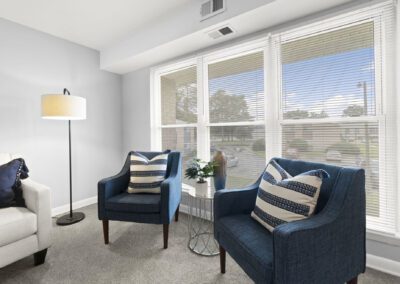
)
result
[(10, 184), (147, 175), (282, 198)]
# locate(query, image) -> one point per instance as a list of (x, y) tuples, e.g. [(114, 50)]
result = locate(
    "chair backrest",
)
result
[(295, 167)]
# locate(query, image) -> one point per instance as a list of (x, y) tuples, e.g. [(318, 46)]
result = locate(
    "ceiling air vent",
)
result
[(211, 8), (217, 33)]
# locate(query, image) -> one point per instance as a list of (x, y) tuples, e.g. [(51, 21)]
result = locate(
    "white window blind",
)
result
[(179, 97), (323, 75), (179, 112), (332, 107), (236, 89), (236, 115)]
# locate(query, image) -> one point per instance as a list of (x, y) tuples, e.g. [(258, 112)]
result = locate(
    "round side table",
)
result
[(201, 219)]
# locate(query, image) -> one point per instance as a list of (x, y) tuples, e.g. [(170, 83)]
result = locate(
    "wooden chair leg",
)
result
[(222, 258), (353, 281), (177, 214), (165, 233), (105, 231), (39, 257)]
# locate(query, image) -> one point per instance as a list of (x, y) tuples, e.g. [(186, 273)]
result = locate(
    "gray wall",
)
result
[(136, 110), (383, 246), (33, 63)]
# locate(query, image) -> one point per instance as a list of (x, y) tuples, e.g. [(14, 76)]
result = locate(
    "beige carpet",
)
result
[(134, 255)]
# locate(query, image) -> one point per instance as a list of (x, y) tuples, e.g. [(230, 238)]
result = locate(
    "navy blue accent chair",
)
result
[(114, 203), (328, 247)]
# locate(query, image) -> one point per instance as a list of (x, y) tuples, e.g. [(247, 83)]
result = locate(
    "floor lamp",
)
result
[(65, 107)]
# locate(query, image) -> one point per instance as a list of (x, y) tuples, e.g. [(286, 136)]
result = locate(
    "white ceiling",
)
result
[(93, 23), (143, 49), (132, 34)]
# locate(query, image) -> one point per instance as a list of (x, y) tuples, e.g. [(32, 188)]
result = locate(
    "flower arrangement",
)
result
[(200, 170)]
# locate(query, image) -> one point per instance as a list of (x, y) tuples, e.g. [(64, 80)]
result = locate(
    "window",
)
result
[(354, 144), (179, 97), (179, 112), (320, 93), (236, 109), (236, 89), (331, 105), (332, 75)]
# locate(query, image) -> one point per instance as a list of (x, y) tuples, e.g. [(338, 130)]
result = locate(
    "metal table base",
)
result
[(201, 227)]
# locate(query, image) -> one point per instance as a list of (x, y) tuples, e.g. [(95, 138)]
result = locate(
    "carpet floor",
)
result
[(134, 255)]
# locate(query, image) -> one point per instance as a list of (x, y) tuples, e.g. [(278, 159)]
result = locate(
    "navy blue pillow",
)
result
[(10, 184)]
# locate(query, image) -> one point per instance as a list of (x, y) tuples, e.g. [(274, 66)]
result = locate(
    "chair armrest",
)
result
[(235, 201), (111, 186), (328, 246), (171, 191), (306, 245), (37, 200)]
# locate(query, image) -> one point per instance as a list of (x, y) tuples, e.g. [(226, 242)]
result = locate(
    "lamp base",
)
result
[(66, 220)]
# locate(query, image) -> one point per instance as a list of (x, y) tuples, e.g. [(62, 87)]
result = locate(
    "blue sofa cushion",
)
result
[(135, 203), (249, 244), (10, 184)]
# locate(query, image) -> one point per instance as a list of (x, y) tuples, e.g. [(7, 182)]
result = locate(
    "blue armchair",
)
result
[(114, 203), (328, 247)]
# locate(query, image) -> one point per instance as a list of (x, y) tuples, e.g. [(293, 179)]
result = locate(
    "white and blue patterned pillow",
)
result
[(147, 175), (282, 198)]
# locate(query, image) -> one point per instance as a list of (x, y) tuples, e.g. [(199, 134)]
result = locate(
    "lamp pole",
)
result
[(70, 169), (72, 217), (66, 92)]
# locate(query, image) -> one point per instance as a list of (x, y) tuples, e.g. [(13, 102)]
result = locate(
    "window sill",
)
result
[(389, 239)]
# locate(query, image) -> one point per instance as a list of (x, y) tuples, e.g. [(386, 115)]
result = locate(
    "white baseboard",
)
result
[(75, 205), (383, 264)]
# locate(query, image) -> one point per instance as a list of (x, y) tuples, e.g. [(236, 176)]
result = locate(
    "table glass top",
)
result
[(200, 190)]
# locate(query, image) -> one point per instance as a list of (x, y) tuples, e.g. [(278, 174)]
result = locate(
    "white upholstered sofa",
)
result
[(26, 231)]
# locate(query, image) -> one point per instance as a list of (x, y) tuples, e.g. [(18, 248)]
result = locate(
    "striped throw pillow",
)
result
[(147, 175), (282, 198)]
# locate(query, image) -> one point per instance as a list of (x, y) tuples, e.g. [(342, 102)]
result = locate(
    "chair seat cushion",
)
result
[(16, 223), (249, 244), (136, 203)]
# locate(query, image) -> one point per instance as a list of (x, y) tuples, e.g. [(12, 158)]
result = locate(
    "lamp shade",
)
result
[(63, 107)]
